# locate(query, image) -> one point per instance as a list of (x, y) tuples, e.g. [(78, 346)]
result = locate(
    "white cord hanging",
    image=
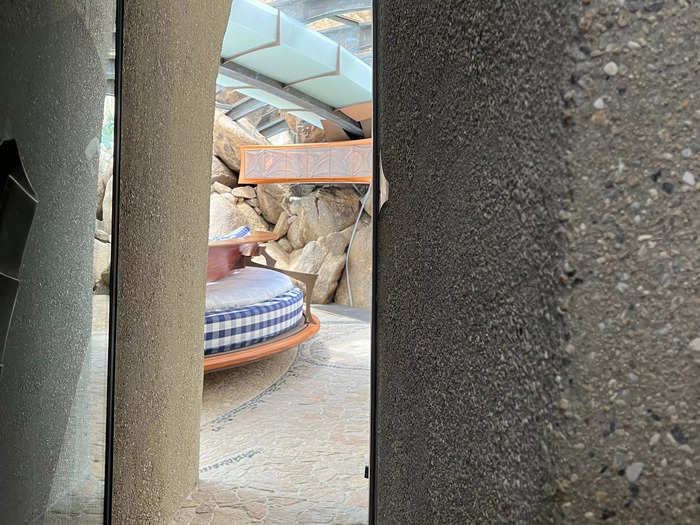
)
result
[(352, 236)]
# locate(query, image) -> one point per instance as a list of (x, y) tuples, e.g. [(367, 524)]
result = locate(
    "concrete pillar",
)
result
[(171, 52), (467, 276), (537, 338), (43, 398)]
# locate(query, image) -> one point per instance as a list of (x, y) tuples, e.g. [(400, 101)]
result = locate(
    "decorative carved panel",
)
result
[(329, 162)]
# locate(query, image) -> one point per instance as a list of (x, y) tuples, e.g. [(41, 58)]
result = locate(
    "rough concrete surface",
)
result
[(468, 330), (550, 372), (235, 386), (630, 446), (50, 332), (171, 52)]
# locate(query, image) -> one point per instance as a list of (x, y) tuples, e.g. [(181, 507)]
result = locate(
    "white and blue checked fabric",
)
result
[(235, 328), (242, 231)]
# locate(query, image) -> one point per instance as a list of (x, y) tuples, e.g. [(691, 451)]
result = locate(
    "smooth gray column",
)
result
[(171, 52)]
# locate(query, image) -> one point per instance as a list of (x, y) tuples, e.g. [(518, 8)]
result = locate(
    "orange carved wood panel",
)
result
[(346, 161)]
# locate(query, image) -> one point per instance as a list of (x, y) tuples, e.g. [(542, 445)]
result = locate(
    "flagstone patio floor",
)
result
[(295, 452)]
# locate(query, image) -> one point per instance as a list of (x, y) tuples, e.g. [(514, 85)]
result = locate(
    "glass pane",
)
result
[(56, 130)]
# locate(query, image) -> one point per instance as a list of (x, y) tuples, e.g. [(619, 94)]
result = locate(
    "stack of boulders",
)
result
[(102, 247), (314, 222)]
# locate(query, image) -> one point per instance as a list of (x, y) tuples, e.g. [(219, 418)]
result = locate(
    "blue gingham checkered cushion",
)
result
[(235, 328), (242, 231)]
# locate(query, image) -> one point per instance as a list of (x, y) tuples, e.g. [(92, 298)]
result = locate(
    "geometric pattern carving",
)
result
[(329, 162)]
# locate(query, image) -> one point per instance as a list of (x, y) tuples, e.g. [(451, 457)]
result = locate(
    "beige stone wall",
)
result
[(171, 52)]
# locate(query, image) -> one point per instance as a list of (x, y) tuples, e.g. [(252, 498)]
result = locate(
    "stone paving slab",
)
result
[(296, 452)]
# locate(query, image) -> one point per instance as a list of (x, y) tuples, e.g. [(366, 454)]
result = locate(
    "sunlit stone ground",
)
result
[(295, 452)]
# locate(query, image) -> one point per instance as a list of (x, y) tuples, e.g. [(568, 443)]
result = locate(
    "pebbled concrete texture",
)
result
[(50, 331), (550, 372), (171, 52), (468, 332), (630, 444)]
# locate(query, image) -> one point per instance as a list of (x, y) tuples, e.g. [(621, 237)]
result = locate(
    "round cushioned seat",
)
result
[(236, 328), (246, 286), (249, 307)]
